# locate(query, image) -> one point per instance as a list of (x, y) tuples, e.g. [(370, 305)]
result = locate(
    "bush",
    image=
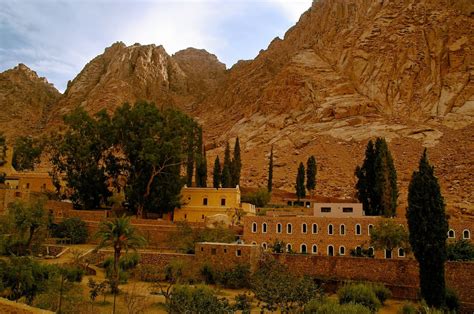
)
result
[(259, 198), (461, 250), (179, 271), (129, 261), (408, 308), (73, 273), (207, 272), (236, 278), (148, 273), (242, 303), (326, 306), (74, 229), (452, 300), (359, 294), (186, 299), (381, 292)]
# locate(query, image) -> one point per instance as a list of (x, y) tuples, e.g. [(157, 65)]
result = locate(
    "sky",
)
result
[(56, 38)]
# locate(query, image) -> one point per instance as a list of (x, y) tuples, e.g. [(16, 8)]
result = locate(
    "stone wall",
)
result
[(225, 255), (11, 307)]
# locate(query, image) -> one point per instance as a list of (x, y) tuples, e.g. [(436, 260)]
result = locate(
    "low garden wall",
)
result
[(7, 306)]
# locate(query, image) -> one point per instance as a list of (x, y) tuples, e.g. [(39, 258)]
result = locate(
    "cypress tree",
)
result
[(366, 179), (226, 178), (190, 161), (428, 228), (216, 176), (201, 163), (300, 188), (270, 172), (311, 171), (236, 164)]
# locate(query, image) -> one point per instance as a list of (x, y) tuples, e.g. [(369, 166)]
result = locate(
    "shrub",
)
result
[(129, 261), (359, 294), (73, 228), (260, 198), (381, 292), (452, 300), (207, 272), (235, 278), (242, 303), (326, 306), (461, 250), (180, 271), (408, 308), (73, 273), (187, 299)]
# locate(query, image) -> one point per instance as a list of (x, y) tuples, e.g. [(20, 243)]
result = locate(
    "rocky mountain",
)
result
[(349, 70), (25, 101), (126, 74)]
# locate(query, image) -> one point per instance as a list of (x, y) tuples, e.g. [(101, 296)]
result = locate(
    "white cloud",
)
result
[(293, 8)]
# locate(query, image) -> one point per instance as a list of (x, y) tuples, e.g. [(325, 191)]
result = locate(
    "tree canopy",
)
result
[(216, 175), (389, 235), (226, 178), (26, 153), (311, 172), (300, 187), (428, 228)]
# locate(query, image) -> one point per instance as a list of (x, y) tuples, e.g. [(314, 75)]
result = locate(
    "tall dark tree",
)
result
[(26, 153), (270, 171), (190, 162), (78, 155), (236, 164), (216, 175), (377, 180), (226, 178), (311, 172), (201, 162), (3, 156), (300, 188), (428, 228)]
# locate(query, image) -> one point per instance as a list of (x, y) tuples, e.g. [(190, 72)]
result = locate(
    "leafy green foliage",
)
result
[(278, 289), (200, 299), (381, 292), (217, 174), (311, 171), (428, 228), (26, 153), (388, 235), (75, 229), (181, 272), (278, 246), (461, 250), (327, 306), (242, 303), (270, 172), (377, 180), (360, 294), (300, 187), (3, 149), (236, 164), (362, 252), (226, 177), (259, 198)]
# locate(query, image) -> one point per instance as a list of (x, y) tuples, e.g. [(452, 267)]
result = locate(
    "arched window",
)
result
[(264, 227), (358, 230), (451, 234), (289, 228), (358, 251), (279, 228), (342, 229), (254, 227), (371, 251), (264, 245), (315, 228), (466, 234), (370, 228), (388, 253), (342, 250), (304, 228), (401, 252), (330, 250), (254, 243), (330, 229), (303, 249), (288, 248), (314, 249)]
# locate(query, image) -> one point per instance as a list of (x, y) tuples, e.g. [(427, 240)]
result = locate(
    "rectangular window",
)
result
[(238, 253), (222, 201), (347, 210), (325, 209), (204, 201), (213, 251)]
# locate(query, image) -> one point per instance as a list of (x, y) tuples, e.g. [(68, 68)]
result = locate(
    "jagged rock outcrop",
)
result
[(25, 101), (129, 73)]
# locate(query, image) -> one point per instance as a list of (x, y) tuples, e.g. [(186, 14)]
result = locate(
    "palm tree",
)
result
[(121, 235)]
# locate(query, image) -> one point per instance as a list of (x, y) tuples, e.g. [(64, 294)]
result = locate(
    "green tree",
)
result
[(461, 250), (3, 149), (388, 235), (75, 229), (377, 180), (216, 176), (259, 198), (190, 162), (226, 178), (120, 235), (428, 229), (270, 171), (300, 188), (311, 172), (26, 153), (236, 164), (79, 156), (201, 163), (200, 299)]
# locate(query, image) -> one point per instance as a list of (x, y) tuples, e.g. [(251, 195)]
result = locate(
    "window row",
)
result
[(314, 228), (330, 250), (205, 201), (466, 234)]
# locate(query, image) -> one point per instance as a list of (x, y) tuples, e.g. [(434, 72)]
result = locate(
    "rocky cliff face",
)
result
[(126, 74), (25, 101)]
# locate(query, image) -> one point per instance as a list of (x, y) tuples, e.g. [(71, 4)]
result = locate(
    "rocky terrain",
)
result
[(25, 101), (349, 70)]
